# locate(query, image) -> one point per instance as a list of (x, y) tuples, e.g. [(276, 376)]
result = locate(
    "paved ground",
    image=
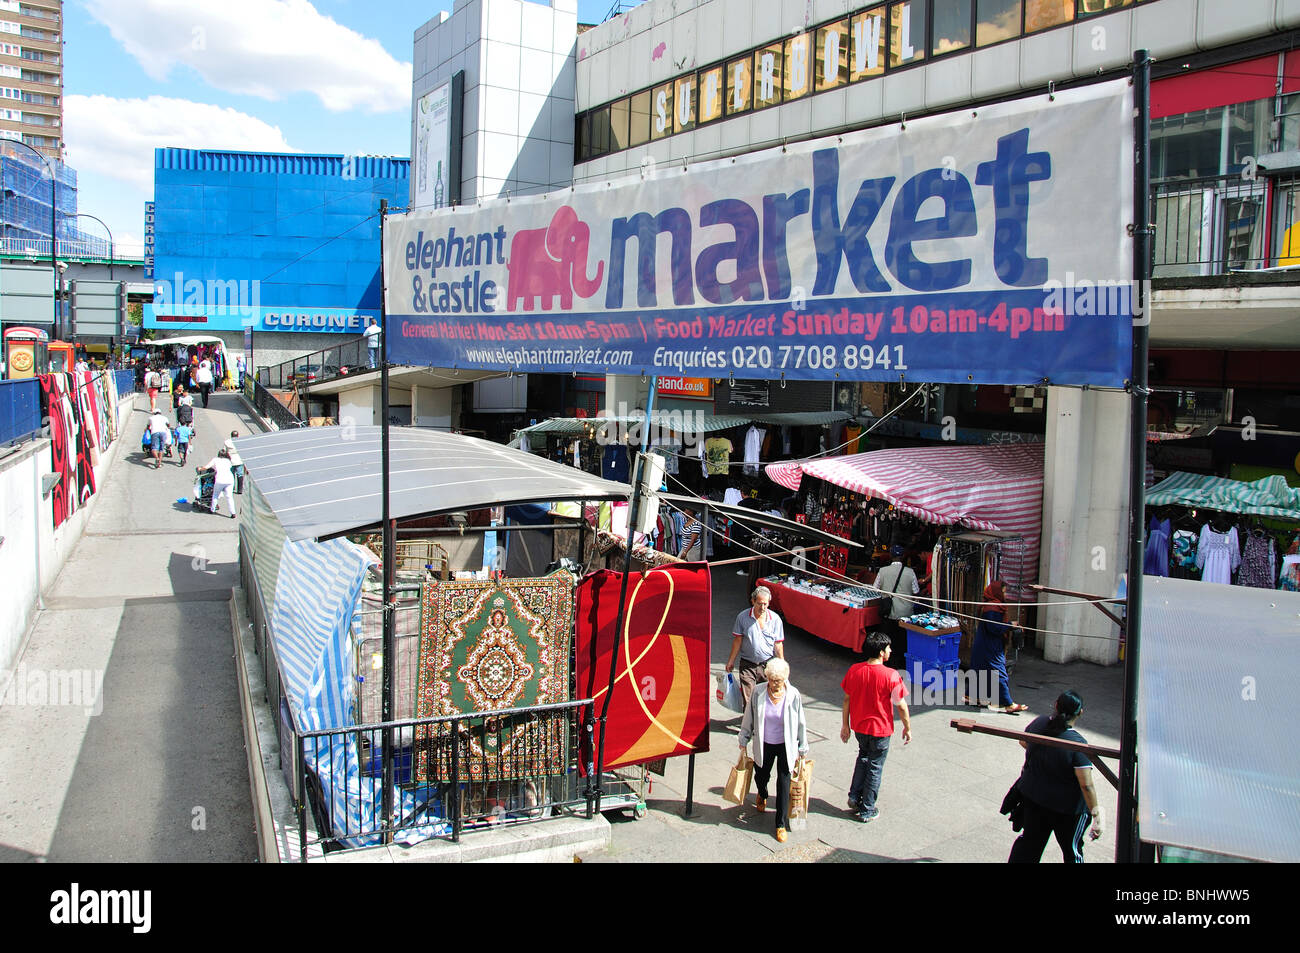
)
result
[(940, 796), (160, 774)]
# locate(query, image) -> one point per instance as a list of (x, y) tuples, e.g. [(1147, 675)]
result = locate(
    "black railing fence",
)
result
[(270, 408), (350, 357), (1214, 225), (454, 774)]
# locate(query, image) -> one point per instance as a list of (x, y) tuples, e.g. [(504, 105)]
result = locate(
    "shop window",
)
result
[(582, 138), (600, 140), (832, 66), (1089, 7), (870, 34), (951, 27), (619, 114), (1041, 14), (798, 60), (768, 67), (661, 111), (739, 86), (907, 33), (996, 20), (638, 133), (684, 100), (712, 91)]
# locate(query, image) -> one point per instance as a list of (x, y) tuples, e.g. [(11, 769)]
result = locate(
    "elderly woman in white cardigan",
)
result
[(774, 719)]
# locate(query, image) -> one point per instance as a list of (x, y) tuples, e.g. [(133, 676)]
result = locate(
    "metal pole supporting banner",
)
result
[(390, 536), (633, 512), (1126, 824)]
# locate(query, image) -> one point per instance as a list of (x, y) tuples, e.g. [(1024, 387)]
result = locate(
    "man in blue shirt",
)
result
[(756, 638)]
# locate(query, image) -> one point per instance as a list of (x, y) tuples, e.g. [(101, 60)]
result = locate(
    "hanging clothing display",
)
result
[(1218, 555), (1182, 559), (1258, 561), (1289, 577), (1156, 562), (613, 463), (717, 454), (753, 444)]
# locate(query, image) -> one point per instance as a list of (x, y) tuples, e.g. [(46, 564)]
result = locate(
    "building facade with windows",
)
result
[(31, 74), (285, 245), (679, 82)]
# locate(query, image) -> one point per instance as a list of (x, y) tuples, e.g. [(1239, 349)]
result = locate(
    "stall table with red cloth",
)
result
[(825, 617)]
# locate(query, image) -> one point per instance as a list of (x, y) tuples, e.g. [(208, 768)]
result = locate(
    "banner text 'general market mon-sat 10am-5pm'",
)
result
[(985, 246)]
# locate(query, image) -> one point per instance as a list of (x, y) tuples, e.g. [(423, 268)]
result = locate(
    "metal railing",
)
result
[(94, 249), (1212, 225), (453, 774), (351, 357), (20, 410), (266, 404)]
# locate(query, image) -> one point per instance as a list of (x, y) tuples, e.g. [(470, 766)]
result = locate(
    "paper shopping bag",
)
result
[(742, 773), (800, 792)]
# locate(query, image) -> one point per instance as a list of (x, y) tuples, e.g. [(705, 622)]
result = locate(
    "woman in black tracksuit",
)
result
[(1056, 785)]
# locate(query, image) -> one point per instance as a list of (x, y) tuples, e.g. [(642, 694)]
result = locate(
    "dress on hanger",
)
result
[(1156, 562), (1218, 555), (1258, 561), (1182, 561)]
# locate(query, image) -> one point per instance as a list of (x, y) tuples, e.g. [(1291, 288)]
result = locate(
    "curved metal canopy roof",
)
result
[(325, 481)]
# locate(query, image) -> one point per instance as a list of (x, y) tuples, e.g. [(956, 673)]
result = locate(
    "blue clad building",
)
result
[(284, 244)]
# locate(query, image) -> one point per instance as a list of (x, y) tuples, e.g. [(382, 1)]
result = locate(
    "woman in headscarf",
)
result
[(988, 653)]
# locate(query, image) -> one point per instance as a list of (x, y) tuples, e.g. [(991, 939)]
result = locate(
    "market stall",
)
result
[(839, 613), (963, 515), (1214, 529)]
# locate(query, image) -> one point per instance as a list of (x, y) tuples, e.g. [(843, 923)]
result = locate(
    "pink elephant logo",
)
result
[(549, 262)]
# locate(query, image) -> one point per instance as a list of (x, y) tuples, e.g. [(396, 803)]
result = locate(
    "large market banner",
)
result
[(985, 246)]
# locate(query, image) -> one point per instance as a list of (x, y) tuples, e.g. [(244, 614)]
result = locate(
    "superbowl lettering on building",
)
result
[(984, 246)]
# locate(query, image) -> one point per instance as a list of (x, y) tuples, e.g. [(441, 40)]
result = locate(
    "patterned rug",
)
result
[(487, 646), (660, 704)]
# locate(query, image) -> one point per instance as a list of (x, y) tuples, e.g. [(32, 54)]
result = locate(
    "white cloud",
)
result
[(263, 48), (116, 137)]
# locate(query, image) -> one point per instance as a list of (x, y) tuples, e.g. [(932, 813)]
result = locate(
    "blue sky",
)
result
[(329, 76)]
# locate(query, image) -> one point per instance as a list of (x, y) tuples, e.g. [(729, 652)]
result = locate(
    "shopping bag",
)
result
[(729, 694), (800, 792), (742, 773)]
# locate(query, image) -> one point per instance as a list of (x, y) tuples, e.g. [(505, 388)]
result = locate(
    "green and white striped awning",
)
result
[(686, 421), (1270, 496)]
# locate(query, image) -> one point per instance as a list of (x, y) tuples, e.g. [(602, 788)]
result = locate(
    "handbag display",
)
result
[(737, 787), (800, 792)]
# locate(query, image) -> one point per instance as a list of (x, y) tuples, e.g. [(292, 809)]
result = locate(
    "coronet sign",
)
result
[(256, 318), (963, 248)]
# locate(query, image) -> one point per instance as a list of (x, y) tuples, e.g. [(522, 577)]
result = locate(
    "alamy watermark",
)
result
[(37, 687), (214, 296)]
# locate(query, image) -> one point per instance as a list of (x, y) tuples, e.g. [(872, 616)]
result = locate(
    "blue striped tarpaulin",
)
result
[(313, 619)]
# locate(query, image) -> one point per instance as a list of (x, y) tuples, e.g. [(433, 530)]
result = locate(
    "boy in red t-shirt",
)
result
[(872, 690)]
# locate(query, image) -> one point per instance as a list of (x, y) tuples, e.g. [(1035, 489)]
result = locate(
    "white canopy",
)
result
[(186, 340)]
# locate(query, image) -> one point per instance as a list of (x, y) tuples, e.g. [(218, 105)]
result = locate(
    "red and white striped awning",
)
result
[(998, 488)]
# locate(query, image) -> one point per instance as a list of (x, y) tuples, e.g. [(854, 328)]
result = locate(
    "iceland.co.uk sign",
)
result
[(986, 247)]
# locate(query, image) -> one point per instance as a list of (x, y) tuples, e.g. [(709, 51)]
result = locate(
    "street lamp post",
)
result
[(54, 214)]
